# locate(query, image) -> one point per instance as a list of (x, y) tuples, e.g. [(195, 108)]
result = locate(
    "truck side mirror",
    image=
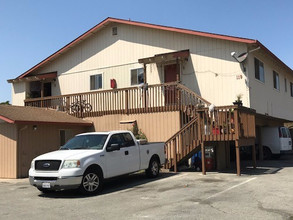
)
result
[(113, 147)]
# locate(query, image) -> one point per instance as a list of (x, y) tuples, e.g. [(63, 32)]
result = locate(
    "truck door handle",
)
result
[(126, 152)]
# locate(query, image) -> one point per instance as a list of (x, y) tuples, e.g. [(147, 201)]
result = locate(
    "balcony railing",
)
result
[(226, 123), (142, 99)]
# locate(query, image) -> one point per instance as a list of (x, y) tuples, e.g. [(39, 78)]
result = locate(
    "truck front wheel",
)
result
[(91, 183), (154, 168)]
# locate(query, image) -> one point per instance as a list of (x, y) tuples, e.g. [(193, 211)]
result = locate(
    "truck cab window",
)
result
[(116, 139), (128, 140)]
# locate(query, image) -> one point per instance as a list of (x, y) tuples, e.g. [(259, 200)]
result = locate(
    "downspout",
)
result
[(17, 149)]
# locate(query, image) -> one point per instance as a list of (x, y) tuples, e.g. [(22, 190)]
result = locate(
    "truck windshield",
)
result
[(95, 142)]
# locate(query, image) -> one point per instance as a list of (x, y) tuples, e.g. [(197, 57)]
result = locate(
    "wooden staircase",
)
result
[(182, 145)]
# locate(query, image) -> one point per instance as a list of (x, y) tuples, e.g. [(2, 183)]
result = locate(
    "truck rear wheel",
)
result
[(154, 168), (91, 183)]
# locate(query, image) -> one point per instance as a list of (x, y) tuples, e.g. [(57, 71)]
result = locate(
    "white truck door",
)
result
[(131, 151), (116, 161)]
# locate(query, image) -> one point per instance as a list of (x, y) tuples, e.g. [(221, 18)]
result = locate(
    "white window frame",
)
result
[(136, 75), (102, 81)]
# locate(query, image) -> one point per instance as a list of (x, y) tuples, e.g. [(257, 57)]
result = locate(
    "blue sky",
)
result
[(31, 30)]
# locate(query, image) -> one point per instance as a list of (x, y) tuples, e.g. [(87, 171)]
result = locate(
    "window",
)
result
[(283, 132), (114, 31), (96, 81), (137, 76), (291, 88), (128, 140), (285, 82), (259, 70), (276, 80), (116, 139)]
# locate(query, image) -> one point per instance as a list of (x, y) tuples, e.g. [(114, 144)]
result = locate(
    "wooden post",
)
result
[(203, 161), (253, 156), (260, 153), (126, 101), (42, 94), (144, 74), (67, 104), (177, 70), (175, 156), (227, 151), (237, 158)]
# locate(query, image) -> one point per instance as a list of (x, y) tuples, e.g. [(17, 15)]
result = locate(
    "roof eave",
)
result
[(8, 120)]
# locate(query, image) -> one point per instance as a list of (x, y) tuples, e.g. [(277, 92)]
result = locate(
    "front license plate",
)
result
[(46, 185)]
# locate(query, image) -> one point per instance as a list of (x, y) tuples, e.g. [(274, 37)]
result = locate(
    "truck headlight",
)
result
[(33, 164), (71, 164)]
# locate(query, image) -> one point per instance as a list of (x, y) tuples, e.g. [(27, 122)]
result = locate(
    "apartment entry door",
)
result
[(170, 74)]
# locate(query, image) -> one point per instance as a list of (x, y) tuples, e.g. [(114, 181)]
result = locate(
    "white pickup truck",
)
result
[(87, 159)]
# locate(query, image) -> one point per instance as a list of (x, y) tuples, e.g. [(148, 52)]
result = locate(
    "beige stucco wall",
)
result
[(210, 71), (264, 97), (8, 150), (156, 126)]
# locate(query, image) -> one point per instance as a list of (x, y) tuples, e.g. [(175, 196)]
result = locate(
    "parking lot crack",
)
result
[(282, 213)]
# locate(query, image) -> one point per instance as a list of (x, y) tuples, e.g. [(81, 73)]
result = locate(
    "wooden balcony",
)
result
[(152, 98)]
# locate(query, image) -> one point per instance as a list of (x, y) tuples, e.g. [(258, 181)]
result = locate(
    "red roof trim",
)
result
[(147, 25), (6, 120)]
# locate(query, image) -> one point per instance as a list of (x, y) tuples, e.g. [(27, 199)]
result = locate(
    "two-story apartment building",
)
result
[(164, 78)]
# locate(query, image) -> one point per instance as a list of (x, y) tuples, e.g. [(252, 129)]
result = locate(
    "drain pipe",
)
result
[(17, 149)]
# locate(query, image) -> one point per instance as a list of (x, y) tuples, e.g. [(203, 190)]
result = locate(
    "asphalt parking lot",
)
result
[(264, 193)]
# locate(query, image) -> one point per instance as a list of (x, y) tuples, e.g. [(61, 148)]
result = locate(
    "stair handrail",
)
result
[(195, 119), (181, 86)]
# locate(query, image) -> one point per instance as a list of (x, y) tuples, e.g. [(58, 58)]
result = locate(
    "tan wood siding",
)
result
[(8, 137), (32, 143), (156, 126)]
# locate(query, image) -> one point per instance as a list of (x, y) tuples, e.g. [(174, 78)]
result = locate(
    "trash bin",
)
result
[(210, 158)]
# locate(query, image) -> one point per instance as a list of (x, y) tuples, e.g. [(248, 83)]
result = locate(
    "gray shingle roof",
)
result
[(25, 114)]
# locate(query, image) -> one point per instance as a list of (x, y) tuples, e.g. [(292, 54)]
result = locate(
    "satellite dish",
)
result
[(240, 58)]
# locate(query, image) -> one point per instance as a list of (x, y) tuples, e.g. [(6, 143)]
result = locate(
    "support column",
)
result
[(177, 70), (237, 158), (260, 151), (175, 156), (42, 94), (227, 151), (144, 74), (253, 156), (203, 160)]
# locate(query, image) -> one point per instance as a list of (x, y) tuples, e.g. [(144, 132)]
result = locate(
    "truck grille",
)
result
[(47, 165), (45, 178)]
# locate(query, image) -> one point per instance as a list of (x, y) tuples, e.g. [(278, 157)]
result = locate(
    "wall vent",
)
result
[(114, 31)]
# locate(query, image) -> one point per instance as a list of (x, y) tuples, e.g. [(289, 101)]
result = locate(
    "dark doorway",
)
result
[(47, 89)]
